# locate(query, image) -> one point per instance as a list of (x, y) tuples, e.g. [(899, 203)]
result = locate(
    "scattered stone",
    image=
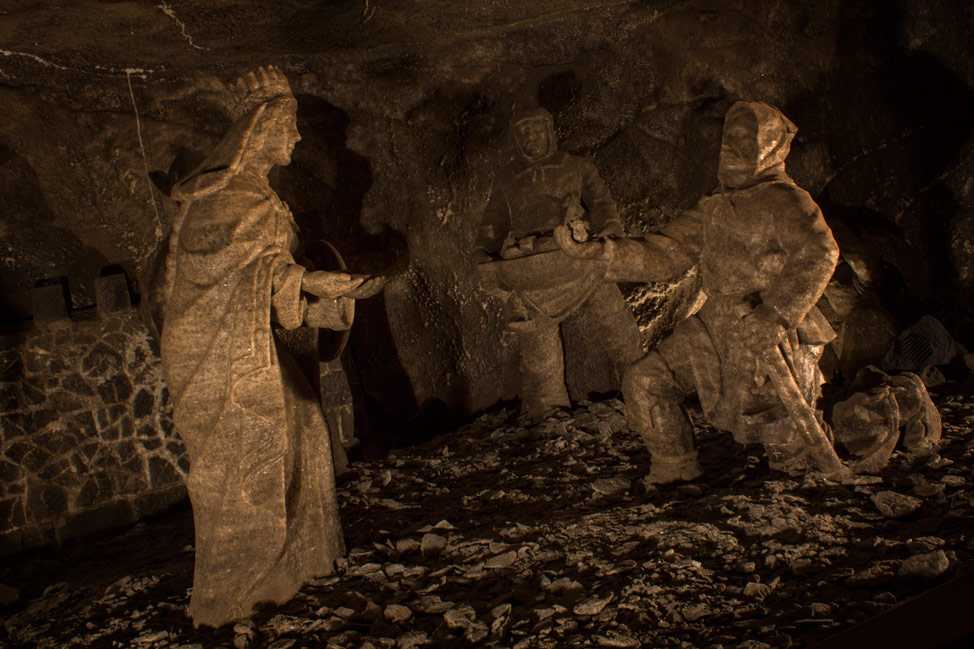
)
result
[(877, 574), (397, 613), (407, 546), (244, 628), (432, 605), (151, 638), (925, 489), (620, 641), (432, 543), (283, 643), (611, 487), (564, 585), (924, 544), (747, 567), (895, 505), (505, 560), (820, 609), (676, 561), (928, 565), (694, 612), (592, 606), (757, 591), (460, 617), (476, 632)]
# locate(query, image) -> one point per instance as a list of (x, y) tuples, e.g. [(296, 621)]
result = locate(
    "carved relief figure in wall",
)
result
[(751, 353), (519, 259), (261, 478)]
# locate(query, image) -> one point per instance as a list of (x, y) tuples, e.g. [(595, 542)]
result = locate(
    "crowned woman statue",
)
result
[(261, 477)]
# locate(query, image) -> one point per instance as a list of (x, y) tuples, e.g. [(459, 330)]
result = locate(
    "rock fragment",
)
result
[(695, 612), (432, 605), (407, 546), (895, 505), (397, 613), (924, 544), (283, 643), (617, 640), (877, 574), (611, 487), (757, 591), (460, 617), (432, 543), (505, 560), (928, 565), (412, 639), (592, 606), (476, 632)]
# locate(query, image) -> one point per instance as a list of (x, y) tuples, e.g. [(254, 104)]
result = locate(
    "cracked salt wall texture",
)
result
[(86, 436), (403, 107)]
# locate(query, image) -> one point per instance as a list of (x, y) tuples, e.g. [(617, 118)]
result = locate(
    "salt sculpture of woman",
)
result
[(261, 478)]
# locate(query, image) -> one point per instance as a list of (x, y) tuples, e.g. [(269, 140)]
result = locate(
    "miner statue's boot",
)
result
[(670, 443), (542, 370)]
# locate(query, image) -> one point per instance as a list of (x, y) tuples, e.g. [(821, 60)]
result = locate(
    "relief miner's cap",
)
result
[(530, 114)]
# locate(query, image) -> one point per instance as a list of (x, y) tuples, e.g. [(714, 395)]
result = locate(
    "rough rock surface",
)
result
[(402, 110), (86, 435), (498, 536)]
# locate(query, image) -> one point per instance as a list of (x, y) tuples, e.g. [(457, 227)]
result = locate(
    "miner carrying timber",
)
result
[(765, 255), (540, 189)]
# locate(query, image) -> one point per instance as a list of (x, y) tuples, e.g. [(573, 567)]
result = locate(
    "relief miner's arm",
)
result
[(603, 215), (658, 257), (494, 225), (811, 255)]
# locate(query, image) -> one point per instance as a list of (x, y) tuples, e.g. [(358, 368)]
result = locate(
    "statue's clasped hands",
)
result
[(332, 285), (570, 240)]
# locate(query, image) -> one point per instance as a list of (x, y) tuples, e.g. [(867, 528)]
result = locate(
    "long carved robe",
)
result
[(261, 478)]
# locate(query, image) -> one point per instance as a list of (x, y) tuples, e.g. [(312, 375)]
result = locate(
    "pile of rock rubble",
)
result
[(502, 536)]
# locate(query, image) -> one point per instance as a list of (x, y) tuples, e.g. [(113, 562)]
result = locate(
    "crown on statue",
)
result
[(255, 88)]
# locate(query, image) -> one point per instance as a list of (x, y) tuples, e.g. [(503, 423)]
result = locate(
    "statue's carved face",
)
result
[(532, 136), (283, 136), (739, 152)]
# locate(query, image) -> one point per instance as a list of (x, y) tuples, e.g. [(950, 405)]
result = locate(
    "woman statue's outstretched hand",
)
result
[(330, 285), (368, 288)]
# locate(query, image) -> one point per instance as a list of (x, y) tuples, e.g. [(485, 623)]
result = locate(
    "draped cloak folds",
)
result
[(765, 242), (261, 478)]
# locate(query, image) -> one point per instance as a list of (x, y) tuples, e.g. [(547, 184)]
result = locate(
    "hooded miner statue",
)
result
[(543, 188), (261, 477), (765, 255)]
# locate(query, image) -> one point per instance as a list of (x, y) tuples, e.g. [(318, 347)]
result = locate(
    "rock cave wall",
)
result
[(88, 442), (402, 110)]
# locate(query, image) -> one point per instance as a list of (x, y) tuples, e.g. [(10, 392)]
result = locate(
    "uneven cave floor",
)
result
[(501, 536)]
